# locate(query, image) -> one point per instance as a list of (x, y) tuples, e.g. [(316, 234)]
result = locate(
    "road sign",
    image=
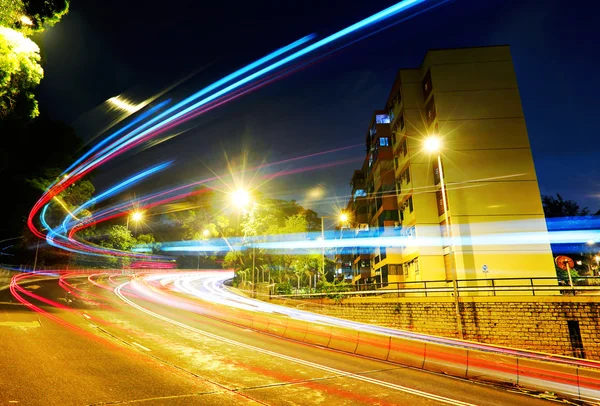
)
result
[(484, 268), (562, 261)]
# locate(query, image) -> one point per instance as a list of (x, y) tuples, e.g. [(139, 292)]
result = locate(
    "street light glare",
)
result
[(433, 144), (344, 218), (205, 233), (240, 198), (137, 215), (26, 20), (591, 242)]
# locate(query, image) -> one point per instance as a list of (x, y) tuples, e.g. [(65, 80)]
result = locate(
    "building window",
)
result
[(383, 253), (389, 215), (384, 142), (410, 205), (396, 162), (373, 130), (440, 202), (401, 121), (405, 176), (360, 193), (382, 119), (427, 85), (384, 276), (391, 114), (430, 112), (436, 173), (404, 148)]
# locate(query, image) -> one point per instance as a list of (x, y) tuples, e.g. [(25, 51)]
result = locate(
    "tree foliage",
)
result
[(20, 68), (31, 16), (46, 12), (558, 207), (20, 73)]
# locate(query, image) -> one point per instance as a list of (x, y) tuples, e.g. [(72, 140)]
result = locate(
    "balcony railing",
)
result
[(586, 286)]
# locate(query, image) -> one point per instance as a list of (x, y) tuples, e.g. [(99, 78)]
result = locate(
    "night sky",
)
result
[(139, 47)]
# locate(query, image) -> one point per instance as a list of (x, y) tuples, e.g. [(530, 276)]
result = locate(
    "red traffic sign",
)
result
[(562, 261)]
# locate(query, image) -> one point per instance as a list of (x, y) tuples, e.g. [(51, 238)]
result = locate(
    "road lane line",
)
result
[(86, 316), (140, 346), (388, 385)]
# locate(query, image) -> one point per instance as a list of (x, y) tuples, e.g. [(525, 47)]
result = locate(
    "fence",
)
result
[(464, 287)]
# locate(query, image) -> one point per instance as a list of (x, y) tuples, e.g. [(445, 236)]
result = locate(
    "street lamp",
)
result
[(342, 218), (136, 217), (206, 232), (241, 199), (433, 145)]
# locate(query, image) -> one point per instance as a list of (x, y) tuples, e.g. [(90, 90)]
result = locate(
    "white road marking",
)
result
[(400, 388), (140, 346), (86, 316)]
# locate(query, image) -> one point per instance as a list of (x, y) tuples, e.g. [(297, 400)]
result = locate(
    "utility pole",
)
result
[(323, 245), (36, 254), (253, 269)]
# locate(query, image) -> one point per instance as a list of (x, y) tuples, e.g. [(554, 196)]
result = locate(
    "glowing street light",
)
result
[(240, 198), (344, 218), (206, 232), (432, 144), (590, 242), (136, 217), (26, 20)]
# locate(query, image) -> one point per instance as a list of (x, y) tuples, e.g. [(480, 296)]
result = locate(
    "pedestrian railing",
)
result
[(584, 286)]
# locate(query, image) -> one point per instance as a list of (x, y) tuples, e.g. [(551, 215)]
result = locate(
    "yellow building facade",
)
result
[(469, 99)]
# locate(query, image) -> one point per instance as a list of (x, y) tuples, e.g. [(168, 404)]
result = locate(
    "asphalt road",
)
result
[(98, 349)]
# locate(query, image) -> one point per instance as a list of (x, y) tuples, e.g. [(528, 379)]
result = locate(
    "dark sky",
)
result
[(138, 47)]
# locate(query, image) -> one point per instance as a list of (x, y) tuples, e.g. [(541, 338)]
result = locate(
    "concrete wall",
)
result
[(518, 322)]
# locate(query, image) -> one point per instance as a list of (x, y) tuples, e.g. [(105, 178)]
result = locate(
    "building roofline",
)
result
[(457, 48)]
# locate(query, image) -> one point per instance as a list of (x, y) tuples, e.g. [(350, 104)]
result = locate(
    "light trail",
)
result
[(431, 396), (137, 135)]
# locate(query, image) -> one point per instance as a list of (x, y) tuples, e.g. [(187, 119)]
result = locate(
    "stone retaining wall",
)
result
[(520, 322)]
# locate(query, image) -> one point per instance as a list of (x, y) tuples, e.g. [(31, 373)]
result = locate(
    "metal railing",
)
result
[(585, 286)]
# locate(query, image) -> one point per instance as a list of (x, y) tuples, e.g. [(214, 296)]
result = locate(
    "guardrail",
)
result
[(464, 287), (567, 376)]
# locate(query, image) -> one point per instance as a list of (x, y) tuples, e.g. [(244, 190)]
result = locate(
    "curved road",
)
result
[(96, 339)]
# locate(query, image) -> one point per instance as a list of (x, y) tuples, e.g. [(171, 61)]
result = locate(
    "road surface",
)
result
[(98, 346)]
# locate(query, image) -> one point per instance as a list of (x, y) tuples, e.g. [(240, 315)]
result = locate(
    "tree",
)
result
[(31, 16), (20, 73), (558, 207), (11, 12), (46, 12)]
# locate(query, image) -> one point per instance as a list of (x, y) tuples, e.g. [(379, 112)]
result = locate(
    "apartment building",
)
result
[(469, 100)]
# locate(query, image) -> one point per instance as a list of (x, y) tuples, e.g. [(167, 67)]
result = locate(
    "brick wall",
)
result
[(534, 324)]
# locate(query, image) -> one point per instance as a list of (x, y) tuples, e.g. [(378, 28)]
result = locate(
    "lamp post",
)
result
[(433, 145), (241, 199), (342, 218)]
